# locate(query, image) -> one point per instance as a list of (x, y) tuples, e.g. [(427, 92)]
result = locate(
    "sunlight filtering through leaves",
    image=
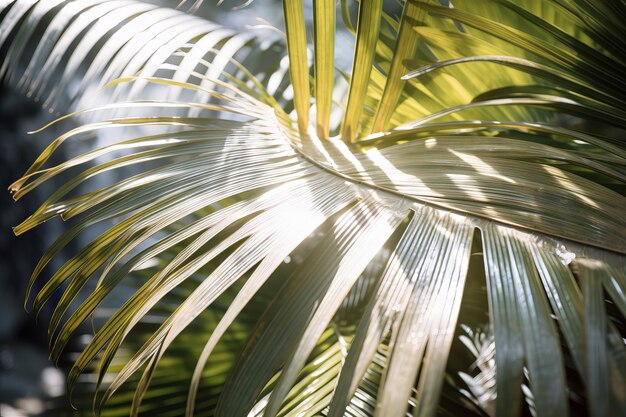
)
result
[(444, 235)]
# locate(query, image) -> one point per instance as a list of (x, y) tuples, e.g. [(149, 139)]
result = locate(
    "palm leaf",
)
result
[(227, 185)]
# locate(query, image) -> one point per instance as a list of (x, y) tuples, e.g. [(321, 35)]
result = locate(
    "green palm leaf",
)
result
[(469, 179)]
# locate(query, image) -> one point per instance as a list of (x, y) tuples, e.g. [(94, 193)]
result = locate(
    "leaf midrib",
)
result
[(286, 131)]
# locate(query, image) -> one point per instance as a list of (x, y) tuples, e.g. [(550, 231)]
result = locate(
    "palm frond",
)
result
[(78, 45), (227, 186)]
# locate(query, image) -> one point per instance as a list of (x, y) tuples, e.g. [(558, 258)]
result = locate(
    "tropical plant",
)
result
[(301, 240)]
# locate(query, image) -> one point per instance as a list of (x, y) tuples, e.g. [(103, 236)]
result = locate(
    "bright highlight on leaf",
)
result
[(458, 249)]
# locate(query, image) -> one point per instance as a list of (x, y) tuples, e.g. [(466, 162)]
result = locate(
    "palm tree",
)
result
[(302, 240)]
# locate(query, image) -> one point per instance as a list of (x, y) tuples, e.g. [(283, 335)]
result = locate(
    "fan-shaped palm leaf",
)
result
[(465, 159)]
